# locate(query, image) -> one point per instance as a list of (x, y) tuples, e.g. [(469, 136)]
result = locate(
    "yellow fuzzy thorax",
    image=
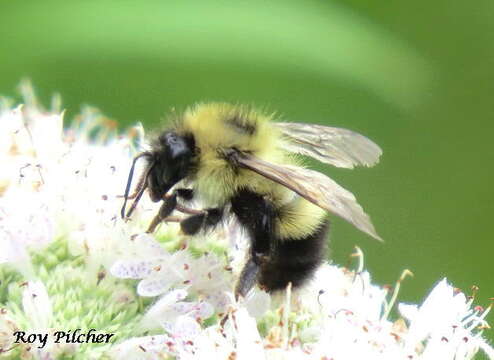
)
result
[(218, 126), (211, 125)]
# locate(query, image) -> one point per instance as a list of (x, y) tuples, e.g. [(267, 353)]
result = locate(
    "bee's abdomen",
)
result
[(279, 257), (295, 260)]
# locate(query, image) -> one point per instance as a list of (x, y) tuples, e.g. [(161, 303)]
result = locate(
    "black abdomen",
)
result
[(273, 262), (295, 260)]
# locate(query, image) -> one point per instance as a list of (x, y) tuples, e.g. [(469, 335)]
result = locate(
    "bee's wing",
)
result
[(315, 187), (334, 146)]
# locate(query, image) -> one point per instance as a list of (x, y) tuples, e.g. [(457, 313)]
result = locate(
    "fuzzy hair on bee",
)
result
[(237, 161)]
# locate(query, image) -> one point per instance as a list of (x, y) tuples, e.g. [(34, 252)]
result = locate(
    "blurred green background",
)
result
[(416, 77)]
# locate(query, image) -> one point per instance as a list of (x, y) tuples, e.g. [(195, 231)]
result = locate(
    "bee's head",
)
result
[(170, 160)]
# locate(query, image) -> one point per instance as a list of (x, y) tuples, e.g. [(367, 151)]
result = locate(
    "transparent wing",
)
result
[(316, 188), (334, 146)]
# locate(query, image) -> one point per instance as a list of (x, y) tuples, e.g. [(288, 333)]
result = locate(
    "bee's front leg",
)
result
[(163, 213), (169, 205)]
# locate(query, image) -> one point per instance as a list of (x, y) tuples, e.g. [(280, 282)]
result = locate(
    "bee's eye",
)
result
[(172, 139), (175, 145), (167, 139)]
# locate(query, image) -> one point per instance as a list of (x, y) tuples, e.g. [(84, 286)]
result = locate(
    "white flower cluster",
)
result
[(58, 183)]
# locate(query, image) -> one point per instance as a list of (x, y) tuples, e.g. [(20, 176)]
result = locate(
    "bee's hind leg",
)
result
[(247, 279), (257, 214)]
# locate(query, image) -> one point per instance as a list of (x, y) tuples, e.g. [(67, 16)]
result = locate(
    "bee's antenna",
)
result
[(141, 190), (138, 197), (140, 187)]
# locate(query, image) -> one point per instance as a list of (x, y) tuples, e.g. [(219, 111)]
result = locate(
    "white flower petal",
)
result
[(37, 305), (185, 327), (249, 342), (141, 348), (128, 269), (257, 303), (156, 285), (162, 308)]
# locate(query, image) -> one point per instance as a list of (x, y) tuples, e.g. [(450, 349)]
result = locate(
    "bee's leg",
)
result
[(185, 194), (248, 278), (165, 210), (202, 219), (257, 214), (138, 187), (169, 205)]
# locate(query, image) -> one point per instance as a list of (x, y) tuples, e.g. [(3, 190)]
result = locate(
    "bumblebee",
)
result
[(238, 162)]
